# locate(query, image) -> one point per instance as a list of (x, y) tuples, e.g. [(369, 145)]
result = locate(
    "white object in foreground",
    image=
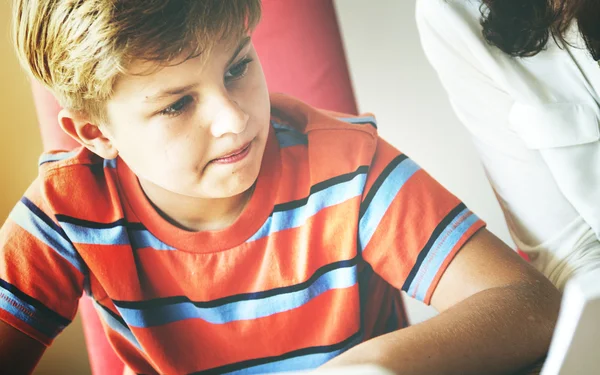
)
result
[(575, 348)]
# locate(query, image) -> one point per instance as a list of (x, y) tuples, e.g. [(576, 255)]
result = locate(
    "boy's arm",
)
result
[(497, 316), (19, 353), (41, 279)]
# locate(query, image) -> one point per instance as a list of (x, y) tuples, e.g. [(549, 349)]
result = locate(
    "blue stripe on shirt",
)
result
[(117, 233), (280, 126), (116, 325), (39, 306), (383, 198), (38, 227), (142, 238), (439, 251), (29, 314), (316, 202), (301, 362), (96, 236), (47, 158), (339, 278), (39, 213), (110, 163), (288, 137), (360, 120)]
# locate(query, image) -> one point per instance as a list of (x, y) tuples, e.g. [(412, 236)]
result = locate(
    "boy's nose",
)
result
[(228, 117)]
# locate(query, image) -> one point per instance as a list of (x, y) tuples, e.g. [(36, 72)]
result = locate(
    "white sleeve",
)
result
[(555, 236), (450, 40)]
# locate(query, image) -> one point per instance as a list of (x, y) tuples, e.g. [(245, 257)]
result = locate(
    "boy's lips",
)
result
[(234, 156)]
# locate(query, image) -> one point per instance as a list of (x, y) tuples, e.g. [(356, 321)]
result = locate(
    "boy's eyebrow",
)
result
[(180, 90), (240, 47), (169, 92)]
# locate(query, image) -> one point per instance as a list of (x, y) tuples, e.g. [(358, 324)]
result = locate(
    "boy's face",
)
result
[(198, 128)]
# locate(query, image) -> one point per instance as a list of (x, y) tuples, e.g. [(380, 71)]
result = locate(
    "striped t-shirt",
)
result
[(339, 222)]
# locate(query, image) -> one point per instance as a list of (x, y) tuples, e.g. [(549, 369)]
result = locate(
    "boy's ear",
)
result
[(89, 135)]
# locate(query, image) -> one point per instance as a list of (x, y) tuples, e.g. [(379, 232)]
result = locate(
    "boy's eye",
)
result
[(178, 107), (238, 70)]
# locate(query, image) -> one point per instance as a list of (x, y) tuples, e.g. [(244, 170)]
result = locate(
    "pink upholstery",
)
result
[(53, 138), (301, 51)]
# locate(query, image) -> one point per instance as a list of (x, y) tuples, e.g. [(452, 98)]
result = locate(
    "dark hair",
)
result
[(523, 27)]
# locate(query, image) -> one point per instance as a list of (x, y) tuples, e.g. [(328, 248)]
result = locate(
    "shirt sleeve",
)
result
[(41, 273), (410, 227)]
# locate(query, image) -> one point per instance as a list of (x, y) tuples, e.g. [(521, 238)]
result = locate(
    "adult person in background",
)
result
[(523, 77)]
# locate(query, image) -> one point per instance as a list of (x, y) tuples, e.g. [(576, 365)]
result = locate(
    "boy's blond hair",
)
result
[(78, 48)]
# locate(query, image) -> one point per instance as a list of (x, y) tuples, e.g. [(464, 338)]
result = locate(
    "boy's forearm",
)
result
[(497, 331)]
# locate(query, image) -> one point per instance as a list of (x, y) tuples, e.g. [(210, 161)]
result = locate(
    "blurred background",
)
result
[(391, 79)]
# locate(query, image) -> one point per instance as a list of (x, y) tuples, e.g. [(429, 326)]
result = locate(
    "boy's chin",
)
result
[(243, 188), (232, 189)]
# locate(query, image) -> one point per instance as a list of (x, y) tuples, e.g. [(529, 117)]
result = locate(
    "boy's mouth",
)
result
[(235, 155)]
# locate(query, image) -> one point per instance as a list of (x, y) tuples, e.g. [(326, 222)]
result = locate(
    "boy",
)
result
[(220, 230)]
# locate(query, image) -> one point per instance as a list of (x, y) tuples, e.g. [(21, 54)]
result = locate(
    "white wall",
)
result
[(393, 80)]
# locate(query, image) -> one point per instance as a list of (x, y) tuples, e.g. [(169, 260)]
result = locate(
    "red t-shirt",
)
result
[(339, 223)]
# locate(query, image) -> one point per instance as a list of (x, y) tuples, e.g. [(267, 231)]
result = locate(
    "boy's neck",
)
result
[(196, 214)]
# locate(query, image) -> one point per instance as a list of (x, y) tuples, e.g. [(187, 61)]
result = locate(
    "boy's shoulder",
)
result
[(306, 119), (72, 161), (72, 167), (72, 182), (327, 135)]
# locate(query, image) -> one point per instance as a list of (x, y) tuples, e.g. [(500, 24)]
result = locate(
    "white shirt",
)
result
[(536, 124)]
